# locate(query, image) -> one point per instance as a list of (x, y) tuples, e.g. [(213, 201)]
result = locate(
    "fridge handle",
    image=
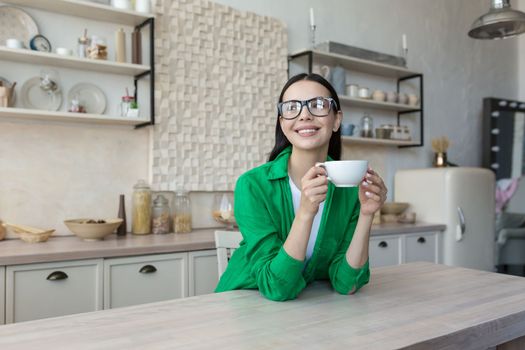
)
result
[(460, 229)]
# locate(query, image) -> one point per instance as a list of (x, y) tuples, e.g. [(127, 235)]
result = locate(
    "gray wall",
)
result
[(459, 71)]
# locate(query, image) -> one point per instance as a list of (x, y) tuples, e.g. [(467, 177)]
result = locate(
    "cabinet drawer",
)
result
[(145, 279), (35, 291), (2, 294), (203, 272), (421, 247), (384, 251)]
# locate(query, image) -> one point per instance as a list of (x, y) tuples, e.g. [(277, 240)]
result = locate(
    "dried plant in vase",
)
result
[(440, 146)]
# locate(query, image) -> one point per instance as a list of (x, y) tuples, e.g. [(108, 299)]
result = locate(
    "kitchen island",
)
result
[(416, 306)]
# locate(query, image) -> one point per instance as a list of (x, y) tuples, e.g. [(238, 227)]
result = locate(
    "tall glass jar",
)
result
[(182, 215), (161, 215), (367, 126), (141, 209)]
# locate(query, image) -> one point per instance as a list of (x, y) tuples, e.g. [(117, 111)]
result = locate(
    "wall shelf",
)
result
[(33, 114), (51, 59), (367, 103), (357, 64), (85, 9), (379, 142)]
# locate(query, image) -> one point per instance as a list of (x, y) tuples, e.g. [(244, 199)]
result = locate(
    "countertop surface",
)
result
[(416, 306), (60, 248)]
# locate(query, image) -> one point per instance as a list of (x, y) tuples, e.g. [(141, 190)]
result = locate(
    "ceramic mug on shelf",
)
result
[(347, 129), (391, 97), (14, 43), (378, 95), (364, 92), (352, 90), (122, 4), (402, 98), (413, 99)]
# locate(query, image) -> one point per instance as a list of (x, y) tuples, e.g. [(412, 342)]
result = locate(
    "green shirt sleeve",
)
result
[(344, 277), (277, 275)]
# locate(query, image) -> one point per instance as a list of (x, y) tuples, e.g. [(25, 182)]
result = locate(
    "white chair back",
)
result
[(226, 242)]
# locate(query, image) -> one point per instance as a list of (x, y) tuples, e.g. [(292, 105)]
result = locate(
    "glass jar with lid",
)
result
[(160, 223), (182, 215), (367, 126), (141, 209)]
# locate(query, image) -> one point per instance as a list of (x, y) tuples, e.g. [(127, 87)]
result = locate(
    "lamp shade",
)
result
[(499, 23)]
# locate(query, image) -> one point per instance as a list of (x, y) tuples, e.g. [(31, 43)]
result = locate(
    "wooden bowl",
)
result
[(394, 208), (92, 231)]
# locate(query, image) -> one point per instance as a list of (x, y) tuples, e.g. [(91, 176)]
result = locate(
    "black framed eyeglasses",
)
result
[(317, 106)]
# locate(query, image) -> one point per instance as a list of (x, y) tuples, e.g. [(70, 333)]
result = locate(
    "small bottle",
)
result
[(136, 47), (182, 215), (141, 209), (83, 44), (161, 216), (123, 228), (367, 126), (120, 46)]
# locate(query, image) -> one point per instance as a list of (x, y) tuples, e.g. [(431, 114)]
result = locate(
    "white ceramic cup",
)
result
[(402, 98), (378, 95), (14, 43), (122, 4), (345, 173), (63, 51), (364, 92), (413, 100), (352, 90), (143, 6)]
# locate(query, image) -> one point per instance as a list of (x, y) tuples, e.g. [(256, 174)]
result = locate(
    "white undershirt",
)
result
[(296, 197)]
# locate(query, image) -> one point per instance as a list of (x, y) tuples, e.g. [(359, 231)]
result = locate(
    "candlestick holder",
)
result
[(312, 35)]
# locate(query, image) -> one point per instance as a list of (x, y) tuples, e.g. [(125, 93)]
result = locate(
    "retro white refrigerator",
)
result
[(461, 198)]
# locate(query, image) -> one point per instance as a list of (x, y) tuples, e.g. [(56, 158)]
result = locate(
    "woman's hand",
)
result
[(372, 193), (314, 186)]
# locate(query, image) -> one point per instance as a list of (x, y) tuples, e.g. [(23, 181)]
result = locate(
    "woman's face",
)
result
[(307, 131)]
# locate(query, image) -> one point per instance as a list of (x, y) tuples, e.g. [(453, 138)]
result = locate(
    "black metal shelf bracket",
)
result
[(151, 73), (420, 111)]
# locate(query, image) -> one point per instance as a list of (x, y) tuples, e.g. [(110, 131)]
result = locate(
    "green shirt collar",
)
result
[(279, 166)]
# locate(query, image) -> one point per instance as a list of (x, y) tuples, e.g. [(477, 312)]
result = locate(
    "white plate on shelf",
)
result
[(90, 96), (16, 24), (33, 97)]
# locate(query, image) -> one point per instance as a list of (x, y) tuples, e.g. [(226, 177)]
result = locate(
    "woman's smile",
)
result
[(307, 130)]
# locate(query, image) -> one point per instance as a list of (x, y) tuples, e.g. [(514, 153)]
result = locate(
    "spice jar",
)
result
[(141, 209), (182, 215), (83, 44), (161, 215)]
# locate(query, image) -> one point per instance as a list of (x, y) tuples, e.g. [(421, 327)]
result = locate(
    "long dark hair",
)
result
[(281, 142)]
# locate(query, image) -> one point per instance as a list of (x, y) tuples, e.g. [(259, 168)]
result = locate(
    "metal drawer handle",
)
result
[(421, 240), (383, 244), (148, 269), (57, 276)]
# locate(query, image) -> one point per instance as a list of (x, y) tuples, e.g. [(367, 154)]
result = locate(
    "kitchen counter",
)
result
[(60, 248), (417, 306)]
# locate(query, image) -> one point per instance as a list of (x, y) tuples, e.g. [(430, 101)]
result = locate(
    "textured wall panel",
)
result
[(219, 72)]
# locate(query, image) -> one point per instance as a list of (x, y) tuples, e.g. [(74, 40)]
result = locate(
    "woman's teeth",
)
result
[(307, 131)]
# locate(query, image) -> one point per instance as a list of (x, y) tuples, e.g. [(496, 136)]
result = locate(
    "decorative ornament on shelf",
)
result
[(440, 146), (312, 27)]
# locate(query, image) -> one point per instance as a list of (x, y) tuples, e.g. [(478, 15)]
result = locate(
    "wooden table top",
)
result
[(15, 251), (417, 305)]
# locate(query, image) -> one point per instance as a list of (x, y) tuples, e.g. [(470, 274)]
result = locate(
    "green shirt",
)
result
[(264, 212)]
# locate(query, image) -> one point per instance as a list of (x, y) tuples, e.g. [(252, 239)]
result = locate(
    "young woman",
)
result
[(296, 226)]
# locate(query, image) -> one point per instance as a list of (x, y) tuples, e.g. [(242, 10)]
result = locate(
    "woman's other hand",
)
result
[(372, 193), (314, 186)]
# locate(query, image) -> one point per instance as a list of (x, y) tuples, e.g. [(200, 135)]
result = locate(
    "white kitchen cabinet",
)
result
[(35, 291), (2, 295), (203, 272), (145, 279), (422, 247), (385, 250)]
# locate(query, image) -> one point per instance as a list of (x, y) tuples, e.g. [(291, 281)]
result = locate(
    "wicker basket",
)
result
[(30, 234)]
